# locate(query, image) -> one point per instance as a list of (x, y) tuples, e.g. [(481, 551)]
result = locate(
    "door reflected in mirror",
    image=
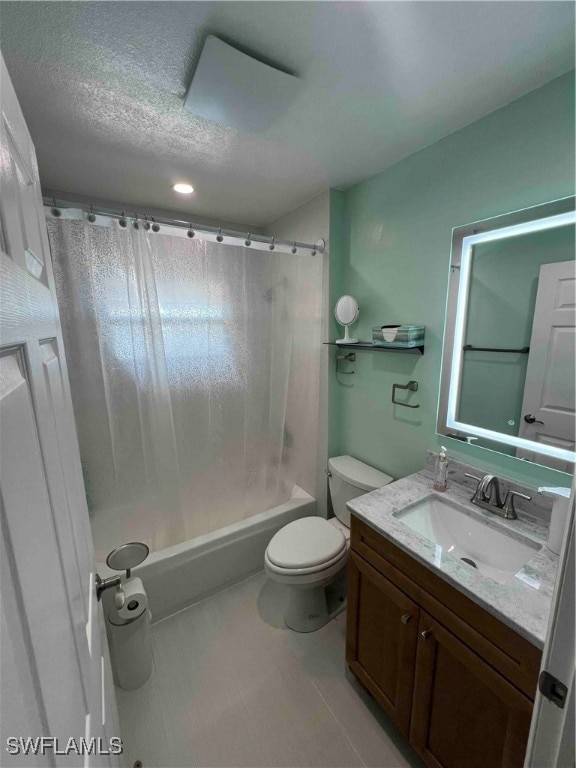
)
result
[(509, 364)]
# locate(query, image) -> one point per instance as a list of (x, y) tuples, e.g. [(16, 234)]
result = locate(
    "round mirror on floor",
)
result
[(346, 311), (127, 556)]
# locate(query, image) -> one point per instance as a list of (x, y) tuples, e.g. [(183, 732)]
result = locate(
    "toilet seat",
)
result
[(324, 540), (314, 570), (302, 577), (306, 545)]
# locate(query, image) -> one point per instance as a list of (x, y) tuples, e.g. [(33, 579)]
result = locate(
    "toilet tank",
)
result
[(350, 478)]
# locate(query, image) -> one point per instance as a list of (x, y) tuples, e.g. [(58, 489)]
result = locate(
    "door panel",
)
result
[(23, 224), (19, 692), (552, 738), (381, 639), (31, 542), (74, 492), (52, 628), (549, 390), (464, 715)]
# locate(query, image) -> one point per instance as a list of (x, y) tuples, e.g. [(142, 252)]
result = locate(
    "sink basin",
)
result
[(455, 530)]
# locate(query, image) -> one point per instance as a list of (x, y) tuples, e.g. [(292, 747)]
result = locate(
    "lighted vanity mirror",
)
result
[(508, 363)]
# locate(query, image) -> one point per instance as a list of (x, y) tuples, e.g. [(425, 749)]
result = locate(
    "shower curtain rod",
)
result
[(61, 208)]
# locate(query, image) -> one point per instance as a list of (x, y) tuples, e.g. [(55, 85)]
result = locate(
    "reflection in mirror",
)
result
[(508, 368)]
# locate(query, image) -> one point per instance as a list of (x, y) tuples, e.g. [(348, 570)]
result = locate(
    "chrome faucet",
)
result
[(487, 496), (489, 490)]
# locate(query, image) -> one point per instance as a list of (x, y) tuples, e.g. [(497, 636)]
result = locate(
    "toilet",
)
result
[(308, 554)]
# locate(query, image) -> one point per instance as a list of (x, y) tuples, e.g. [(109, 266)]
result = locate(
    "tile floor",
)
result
[(233, 687)]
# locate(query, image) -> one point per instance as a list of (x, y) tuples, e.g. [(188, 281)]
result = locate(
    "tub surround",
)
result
[(181, 575), (523, 603)]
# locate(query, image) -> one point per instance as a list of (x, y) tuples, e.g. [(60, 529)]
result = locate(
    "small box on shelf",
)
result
[(398, 336)]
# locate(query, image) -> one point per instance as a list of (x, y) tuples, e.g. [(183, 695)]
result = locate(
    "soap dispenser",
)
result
[(558, 516), (441, 471)]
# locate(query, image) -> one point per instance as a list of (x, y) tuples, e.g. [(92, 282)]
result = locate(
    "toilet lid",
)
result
[(306, 542)]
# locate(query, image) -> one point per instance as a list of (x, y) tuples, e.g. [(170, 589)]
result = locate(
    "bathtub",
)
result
[(180, 575)]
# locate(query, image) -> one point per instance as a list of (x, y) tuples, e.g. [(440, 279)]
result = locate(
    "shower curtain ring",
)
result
[(91, 217), (272, 246), (294, 249), (155, 227), (248, 242), (190, 232), (219, 236), (122, 221), (55, 211)]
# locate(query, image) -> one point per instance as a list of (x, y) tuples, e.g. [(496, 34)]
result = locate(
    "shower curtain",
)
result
[(194, 369)]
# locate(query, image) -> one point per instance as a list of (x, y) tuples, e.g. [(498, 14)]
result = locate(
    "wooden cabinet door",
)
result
[(381, 639), (464, 715)]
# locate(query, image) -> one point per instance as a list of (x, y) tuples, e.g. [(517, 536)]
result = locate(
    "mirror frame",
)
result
[(537, 218), (338, 300)]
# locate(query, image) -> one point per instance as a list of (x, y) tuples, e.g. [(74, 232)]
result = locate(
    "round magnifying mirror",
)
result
[(346, 311), (127, 556)]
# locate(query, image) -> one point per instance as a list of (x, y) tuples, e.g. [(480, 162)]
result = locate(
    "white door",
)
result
[(552, 733), (55, 676), (549, 391)]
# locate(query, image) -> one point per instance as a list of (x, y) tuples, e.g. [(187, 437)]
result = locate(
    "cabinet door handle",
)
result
[(426, 634), (406, 618)]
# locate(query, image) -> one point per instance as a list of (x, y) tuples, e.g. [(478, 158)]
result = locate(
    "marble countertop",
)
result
[(523, 602)]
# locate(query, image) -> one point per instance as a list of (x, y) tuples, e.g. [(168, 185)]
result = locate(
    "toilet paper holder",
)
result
[(123, 558)]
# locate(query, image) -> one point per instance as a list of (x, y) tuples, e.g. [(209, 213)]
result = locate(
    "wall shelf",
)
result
[(366, 345)]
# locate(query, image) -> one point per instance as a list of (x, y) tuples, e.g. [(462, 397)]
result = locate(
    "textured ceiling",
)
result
[(102, 86)]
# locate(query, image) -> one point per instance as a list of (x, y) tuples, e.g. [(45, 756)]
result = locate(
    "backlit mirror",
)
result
[(508, 369)]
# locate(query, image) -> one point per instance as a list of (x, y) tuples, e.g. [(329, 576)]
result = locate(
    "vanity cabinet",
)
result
[(457, 682), (464, 713), (382, 648)]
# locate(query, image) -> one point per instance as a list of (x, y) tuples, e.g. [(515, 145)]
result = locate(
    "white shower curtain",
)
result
[(194, 369)]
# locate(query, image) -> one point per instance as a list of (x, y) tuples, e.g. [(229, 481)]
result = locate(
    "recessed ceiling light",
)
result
[(184, 189)]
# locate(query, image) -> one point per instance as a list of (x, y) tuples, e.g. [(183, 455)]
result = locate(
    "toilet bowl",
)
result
[(308, 554)]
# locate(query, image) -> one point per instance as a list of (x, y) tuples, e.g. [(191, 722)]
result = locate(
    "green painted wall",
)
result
[(390, 247)]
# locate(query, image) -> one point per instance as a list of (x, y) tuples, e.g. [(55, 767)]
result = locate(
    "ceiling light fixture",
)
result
[(183, 189)]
